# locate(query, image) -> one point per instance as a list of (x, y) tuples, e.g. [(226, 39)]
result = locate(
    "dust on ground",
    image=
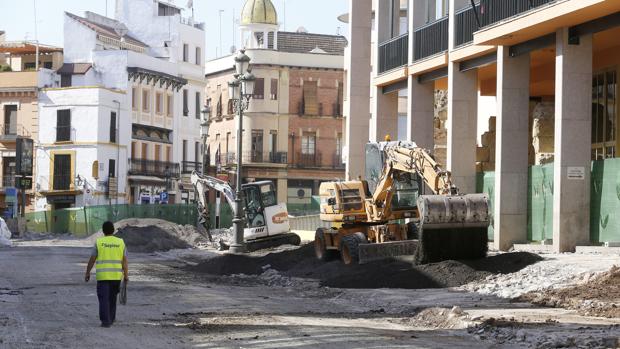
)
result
[(597, 296), (402, 272)]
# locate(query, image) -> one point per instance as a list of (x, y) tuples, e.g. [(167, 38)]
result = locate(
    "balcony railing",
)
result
[(8, 180), (161, 169), (394, 53), (466, 25), (65, 134), (337, 162), (13, 131), (280, 157), (308, 160), (493, 11), (190, 166), (431, 39), (226, 159), (62, 182)]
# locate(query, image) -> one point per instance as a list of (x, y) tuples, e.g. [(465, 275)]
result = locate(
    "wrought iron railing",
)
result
[(190, 166), (394, 53), (308, 160), (13, 130), (280, 157), (493, 11), (141, 167), (8, 180), (337, 162), (431, 39)]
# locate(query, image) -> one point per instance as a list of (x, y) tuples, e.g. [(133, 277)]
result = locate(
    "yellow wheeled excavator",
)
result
[(388, 215)]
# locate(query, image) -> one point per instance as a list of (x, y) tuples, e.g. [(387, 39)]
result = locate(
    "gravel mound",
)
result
[(399, 272), (598, 296), (154, 235)]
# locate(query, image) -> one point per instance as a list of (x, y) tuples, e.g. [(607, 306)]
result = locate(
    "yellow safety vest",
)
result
[(110, 252)]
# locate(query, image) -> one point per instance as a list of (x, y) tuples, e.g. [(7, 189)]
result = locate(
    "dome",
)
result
[(259, 12)]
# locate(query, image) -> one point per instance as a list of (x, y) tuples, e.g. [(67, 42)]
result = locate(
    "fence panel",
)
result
[(485, 183), (605, 201), (540, 203)]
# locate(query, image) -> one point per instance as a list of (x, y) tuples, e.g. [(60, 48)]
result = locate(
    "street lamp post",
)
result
[(240, 90), (206, 113)]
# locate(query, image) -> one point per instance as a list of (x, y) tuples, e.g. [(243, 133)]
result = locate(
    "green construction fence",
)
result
[(604, 201)]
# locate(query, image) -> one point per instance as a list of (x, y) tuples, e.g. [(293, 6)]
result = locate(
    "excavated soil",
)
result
[(393, 273), (597, 297), (152, 235)]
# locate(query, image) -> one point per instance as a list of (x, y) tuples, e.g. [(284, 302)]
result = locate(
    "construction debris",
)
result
[(153, 235)]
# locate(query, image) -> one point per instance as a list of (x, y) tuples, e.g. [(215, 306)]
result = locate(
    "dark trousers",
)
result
[(107, 292)]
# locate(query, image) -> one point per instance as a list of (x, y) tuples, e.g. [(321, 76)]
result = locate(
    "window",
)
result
[(274, 89), (165, 10), (257, 145), (273, 146), (308, 143), (219, 106), (62, 172), (112, 168), (63, 125), (134, 98), (310, 101), (146, 101), (231, 107), (133, 150), (259, 88), (30, 66), (184, 150), (339, 144), (169, 105), (197, 105), (168, 154), (10, 119), (185, 102), (339, 101), (185, 53), (8, 171), (159, 103), (157, 152), (145, 151), (113, 127), (604, 110), (65, 80), (227, 142), (198, 56), (47, 65)]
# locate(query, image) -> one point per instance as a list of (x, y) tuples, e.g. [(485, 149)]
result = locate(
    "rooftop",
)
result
[(106, 30), (26, 47), (299, 42), (74, 68)]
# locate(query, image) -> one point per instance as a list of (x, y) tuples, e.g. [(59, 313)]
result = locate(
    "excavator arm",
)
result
[(202, 184), (407, 157)]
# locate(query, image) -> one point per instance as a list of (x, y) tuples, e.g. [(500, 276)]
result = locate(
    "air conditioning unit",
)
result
[(299, 195)]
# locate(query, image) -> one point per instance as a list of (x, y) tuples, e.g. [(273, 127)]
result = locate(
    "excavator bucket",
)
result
[(453, 227)]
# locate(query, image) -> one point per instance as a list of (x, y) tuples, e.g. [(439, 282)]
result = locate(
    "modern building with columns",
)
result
[(531, 110)]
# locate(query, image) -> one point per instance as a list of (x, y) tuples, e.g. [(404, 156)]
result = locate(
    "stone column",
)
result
[(512, 139), (573, 124), (462, 126), (420, 113), (384, 119), (357, 104)]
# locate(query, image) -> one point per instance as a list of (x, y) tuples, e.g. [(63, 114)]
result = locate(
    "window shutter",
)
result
[(311, 105)]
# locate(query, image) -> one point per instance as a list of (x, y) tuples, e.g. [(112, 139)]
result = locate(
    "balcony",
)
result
[(65, 134), (19, 79), (337, 162), (466, 25), (308, 160), (430, 39), (12, 131), (265, 158), (394, 53), (141, 167), (191, 166), (493, 11), (280, 157), (8, 180)]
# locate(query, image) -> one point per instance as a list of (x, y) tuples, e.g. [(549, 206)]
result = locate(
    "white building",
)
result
[(128, 108)]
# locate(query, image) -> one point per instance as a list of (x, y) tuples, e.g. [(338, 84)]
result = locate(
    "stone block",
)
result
[(488, 166), (543, 144), (488, 139), (492, 124), (483, 154), (543, 127)]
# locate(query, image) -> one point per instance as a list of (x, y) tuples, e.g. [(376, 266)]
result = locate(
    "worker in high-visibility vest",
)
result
[(110, 255)]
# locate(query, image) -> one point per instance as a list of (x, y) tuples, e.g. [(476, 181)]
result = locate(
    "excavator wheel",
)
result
[(320, 251), (349, 248)]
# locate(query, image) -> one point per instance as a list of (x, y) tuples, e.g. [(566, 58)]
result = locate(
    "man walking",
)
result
[(111, 257)]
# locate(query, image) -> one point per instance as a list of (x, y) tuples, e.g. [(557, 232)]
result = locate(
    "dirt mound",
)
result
[(599, 296), (152, 235), (393, 273)]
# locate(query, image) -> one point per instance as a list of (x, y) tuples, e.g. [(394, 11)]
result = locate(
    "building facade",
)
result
[(20, 83), (531, 89), (122, 111), (293, 127)]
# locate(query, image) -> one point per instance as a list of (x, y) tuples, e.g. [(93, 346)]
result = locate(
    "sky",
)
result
[(317, 16)]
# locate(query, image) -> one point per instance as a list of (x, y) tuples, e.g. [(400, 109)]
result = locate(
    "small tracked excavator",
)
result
[(388, 215), (266, 221)]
